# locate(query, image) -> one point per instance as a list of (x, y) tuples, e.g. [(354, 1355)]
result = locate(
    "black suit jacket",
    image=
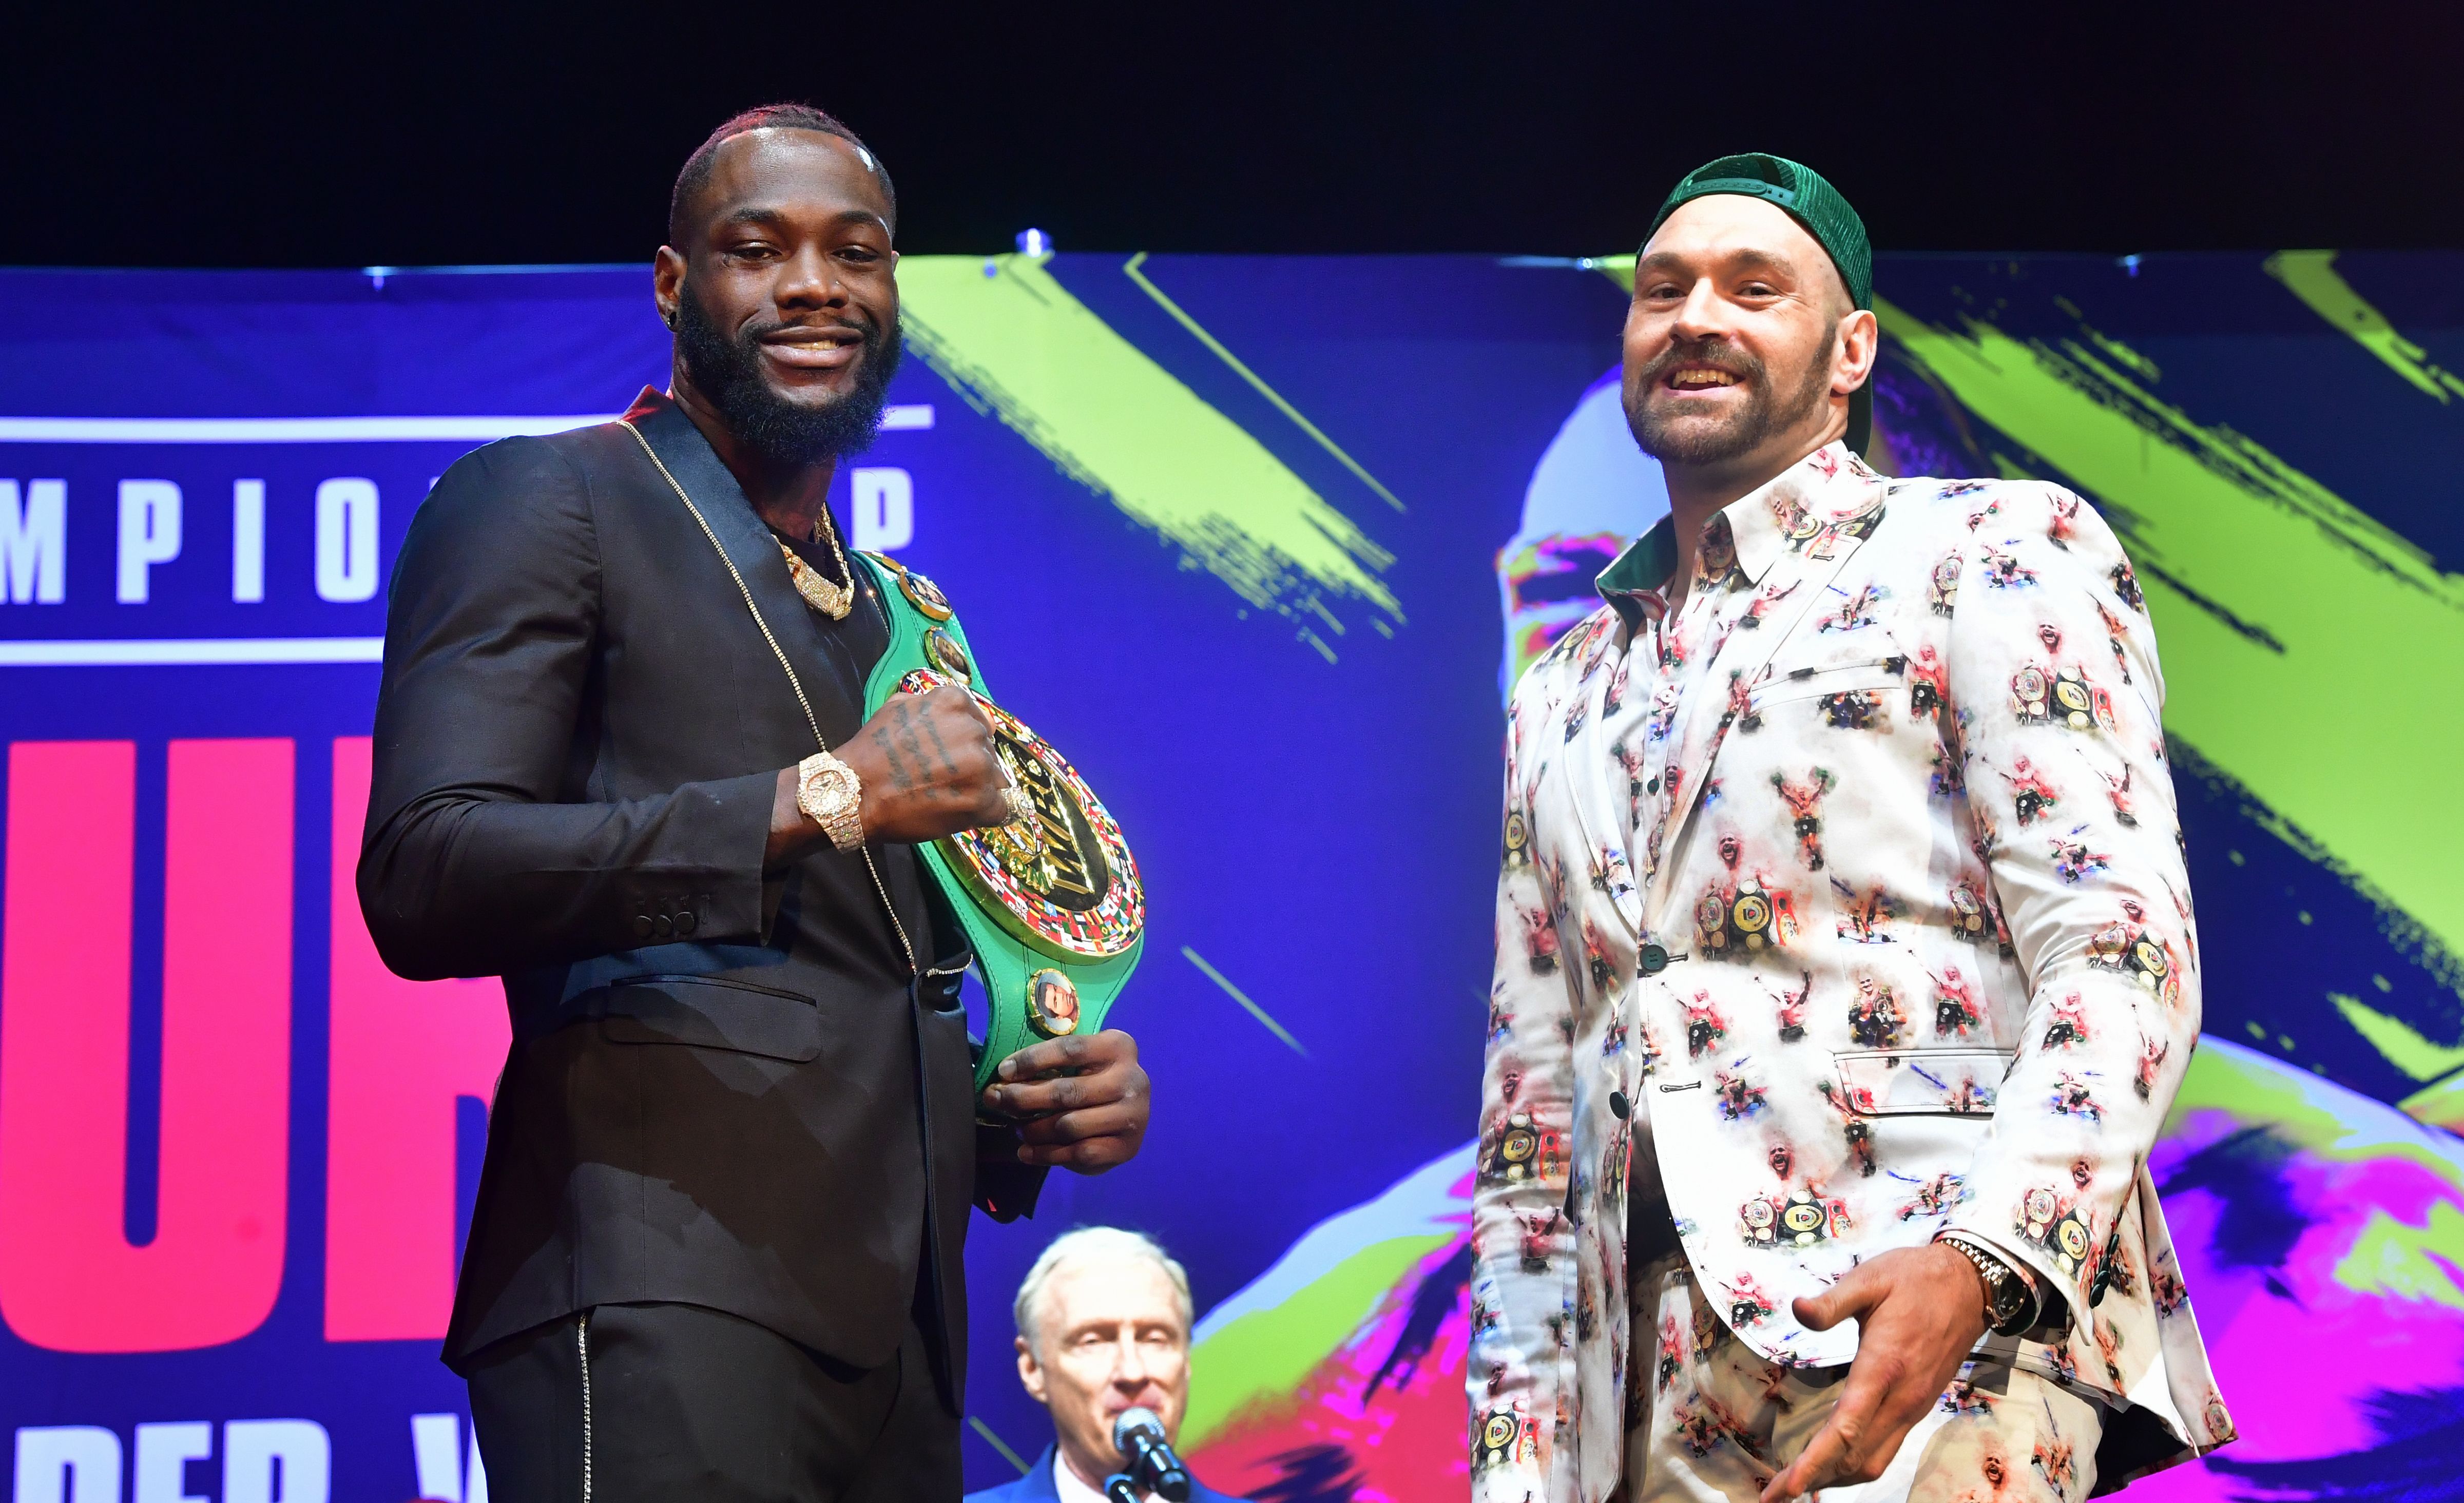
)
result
[(726, 1089)]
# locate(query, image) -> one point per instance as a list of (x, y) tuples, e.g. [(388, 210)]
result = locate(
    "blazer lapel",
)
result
[(750, 545), (1041, 1484)]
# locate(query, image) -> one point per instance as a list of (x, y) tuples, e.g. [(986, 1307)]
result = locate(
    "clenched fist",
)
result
[(928, 768)]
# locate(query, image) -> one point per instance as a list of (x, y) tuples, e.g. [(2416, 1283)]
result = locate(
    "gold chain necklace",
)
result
[(831, 599), (811, 721)]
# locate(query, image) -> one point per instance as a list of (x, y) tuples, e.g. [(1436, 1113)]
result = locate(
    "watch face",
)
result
[(830, 791), (2010, 1298)]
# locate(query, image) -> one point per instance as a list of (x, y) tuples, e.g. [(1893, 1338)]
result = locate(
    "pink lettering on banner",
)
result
[(403, 1052), (69, 1278)]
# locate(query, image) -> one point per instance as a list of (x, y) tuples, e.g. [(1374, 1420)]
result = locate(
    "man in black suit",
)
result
[(621, 762)]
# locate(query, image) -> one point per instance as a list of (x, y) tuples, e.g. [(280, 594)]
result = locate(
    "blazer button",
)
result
[(641, 926), (686, 922), (1655, 959), (662, 926), (1619, 1105)]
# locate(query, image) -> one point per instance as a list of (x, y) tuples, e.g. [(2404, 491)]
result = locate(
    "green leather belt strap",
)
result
[(1052, 905)]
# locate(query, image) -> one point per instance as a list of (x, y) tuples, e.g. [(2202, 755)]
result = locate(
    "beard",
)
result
[(779, 429), (1673, 439)]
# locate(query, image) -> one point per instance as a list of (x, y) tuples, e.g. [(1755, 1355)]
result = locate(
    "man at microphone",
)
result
[(1103, 1332)]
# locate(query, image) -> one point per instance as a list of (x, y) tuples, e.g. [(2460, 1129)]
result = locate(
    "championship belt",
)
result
[(1052, 904)]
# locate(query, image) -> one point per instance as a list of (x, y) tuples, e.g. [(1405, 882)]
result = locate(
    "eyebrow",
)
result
[(1109, 1325), (1749, 260), (760, 214)]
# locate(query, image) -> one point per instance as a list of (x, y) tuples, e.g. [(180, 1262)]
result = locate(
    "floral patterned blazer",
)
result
[(1855, 893)]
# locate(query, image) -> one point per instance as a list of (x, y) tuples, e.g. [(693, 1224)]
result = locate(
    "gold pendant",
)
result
[(833, 601)]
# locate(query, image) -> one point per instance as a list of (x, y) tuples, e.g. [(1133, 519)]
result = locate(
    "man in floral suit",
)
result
[(1846, 963)]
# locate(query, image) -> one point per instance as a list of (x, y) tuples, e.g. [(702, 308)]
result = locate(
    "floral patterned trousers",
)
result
[(1709, 1420)]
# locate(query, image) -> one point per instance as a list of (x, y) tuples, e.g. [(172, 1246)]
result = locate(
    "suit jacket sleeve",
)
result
[(1523, 1247), (2054, 673), (482, 855)]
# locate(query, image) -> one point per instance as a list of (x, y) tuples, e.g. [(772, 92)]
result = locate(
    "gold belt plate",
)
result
[(1062, 879)]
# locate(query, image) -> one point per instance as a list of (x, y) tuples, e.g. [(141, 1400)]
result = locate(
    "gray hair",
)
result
[(1094, 1242)]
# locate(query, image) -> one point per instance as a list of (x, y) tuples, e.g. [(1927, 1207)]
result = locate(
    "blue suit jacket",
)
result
[(1036, 1487)]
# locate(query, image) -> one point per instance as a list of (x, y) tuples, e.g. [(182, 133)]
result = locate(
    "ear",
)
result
[(1860, 345), (668, 282), (1030, 1372)]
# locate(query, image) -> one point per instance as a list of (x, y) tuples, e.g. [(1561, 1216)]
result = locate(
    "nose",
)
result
[(809, 278), (1701, 316)]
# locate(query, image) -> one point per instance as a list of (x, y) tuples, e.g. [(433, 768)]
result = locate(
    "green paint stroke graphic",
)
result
[(2318, 1117), (1257, 382), (1267, 1355), (2393, 1257), (2406, 1049), (2307, 649), (2312, 277), (1016, 344), (2326, 1124), (1242, 997), (2441, 1103), (1252, 1351), (996, 1443)]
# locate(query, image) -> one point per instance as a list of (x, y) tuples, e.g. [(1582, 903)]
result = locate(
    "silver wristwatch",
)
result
[(831, 796), (2011, 1303)]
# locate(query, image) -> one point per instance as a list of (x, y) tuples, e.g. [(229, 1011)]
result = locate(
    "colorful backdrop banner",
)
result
[(1261, 541)]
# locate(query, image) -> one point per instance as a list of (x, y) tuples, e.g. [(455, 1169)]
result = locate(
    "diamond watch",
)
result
[(2010, 1304), (831, 796)]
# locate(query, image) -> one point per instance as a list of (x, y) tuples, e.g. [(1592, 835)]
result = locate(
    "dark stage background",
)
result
[(470, 134)]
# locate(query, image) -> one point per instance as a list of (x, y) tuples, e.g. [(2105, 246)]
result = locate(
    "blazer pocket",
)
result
[(708, 1013), (1920, 1082)]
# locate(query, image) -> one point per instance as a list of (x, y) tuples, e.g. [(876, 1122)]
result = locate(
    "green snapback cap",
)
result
[(1807, 197)]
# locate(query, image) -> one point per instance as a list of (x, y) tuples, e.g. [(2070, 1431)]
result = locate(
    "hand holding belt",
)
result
[(1050, 899)]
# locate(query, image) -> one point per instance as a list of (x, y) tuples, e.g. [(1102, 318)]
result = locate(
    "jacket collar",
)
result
[(1806, 506), (837, 699)]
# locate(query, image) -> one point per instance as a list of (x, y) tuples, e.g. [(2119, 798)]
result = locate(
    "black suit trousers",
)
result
[(679, 1403)]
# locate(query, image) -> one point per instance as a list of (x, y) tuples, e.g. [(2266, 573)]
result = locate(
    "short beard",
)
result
[(1694, 443), (779, 429)]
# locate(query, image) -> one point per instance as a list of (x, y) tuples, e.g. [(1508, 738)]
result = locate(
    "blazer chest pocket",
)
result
[(712, 1014), (1920, 1082)]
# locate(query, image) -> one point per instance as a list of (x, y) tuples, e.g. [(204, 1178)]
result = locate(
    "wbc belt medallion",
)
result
[(1062, 879)]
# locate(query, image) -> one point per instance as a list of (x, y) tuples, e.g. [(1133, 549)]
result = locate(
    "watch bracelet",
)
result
[(1986, 1262), (847, 829)]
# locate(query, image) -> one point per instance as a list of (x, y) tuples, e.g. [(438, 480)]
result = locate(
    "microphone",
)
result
[(1139, 1435)]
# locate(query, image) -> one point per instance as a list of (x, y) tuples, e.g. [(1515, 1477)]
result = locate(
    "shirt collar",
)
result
[(1636, 581), (652, 402), (1824, 490), (1066, 1486)]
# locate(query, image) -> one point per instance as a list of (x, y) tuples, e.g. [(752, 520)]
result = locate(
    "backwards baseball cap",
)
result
[(1807, 197)]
